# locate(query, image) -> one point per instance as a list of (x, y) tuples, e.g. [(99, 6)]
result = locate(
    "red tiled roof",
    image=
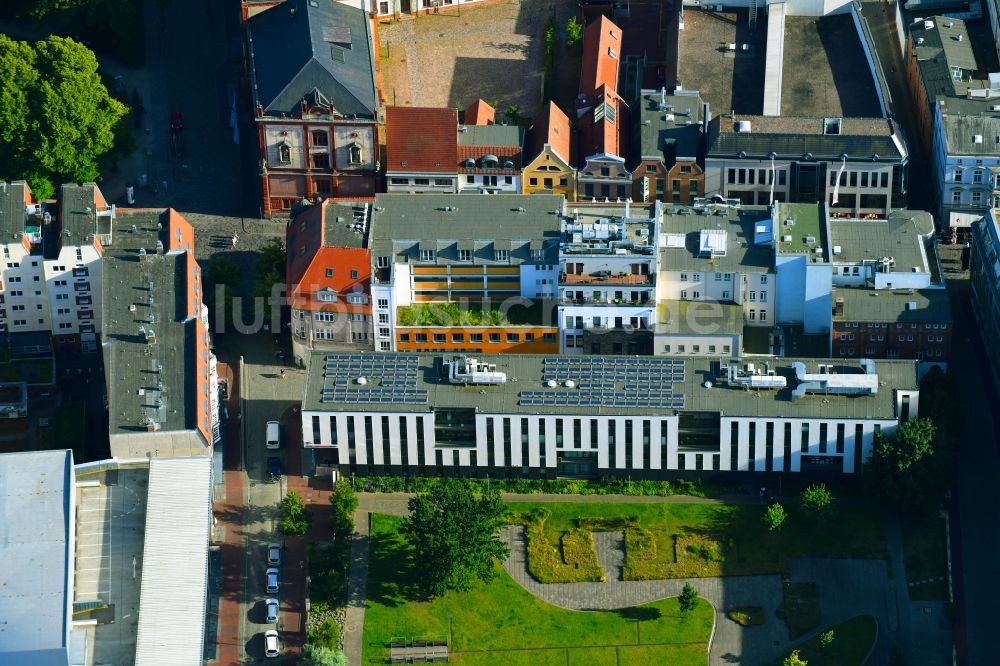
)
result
[(480, 113), (600, 68), (421, 139), (307, 271), (512, 153), (604, 136), (550, 127)]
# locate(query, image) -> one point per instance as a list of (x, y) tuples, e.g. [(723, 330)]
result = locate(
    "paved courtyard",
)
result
[(493, 52)]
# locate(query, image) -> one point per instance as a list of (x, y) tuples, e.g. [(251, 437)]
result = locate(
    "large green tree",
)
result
[(318, 655), (56, 117), (910, 467), (454, 534)]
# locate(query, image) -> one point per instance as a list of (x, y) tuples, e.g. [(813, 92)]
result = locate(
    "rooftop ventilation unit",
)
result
[(743, 126), (786, 238), (465, 370), (977, 138), (810, 240)]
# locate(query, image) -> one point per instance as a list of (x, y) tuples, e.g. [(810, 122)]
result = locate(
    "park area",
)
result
[(500, 622), (669, 540)]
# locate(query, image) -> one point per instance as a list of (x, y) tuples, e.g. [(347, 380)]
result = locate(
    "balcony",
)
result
[(442, 313), (606, 277), (621, 302)]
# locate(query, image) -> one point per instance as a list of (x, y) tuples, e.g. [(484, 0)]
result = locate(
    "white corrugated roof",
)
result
[(175, 563), (37, 507)]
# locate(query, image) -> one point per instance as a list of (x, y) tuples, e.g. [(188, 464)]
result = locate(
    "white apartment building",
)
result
[(607, 281), (519, 416), (52, 264), (464, 249)]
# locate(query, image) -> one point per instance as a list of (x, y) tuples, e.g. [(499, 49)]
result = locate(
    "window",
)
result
[(284, 153), (442, 182), (693, 187), (684, 277), (977, 176), (421, 181), (685, 169), (427, 255), (327, 296), (763, 279), (956, 73), (354, 153), (383, 318), (458, 337), (439, 338), (684, 294), (329, 272), (533, 182), (465, 255), (320, 138), (501, 255), (354, 274), (725, 295), (383, 303), (495, 338), (753, 315), (977, 199), (513, 337), (382, 262), (476, 337), (421, 338), (753, 295), (321, 161), (681, 349), (763, 315), (323, 186), (696, 277), (763, 297)]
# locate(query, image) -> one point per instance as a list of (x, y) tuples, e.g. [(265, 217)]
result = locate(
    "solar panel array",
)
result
[(610, 382), (396, 377)]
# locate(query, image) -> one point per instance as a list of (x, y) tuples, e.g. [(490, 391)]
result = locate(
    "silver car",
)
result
[(272, 580), (272, 610), (271, 643)]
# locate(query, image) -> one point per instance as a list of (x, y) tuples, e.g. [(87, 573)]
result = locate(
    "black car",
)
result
[(274, 468)]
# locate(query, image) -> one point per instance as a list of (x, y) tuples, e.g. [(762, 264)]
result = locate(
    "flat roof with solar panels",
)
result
[(601, 385)]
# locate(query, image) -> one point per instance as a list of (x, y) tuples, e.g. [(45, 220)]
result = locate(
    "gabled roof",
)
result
[(550, 127), (302, 46), (601, 39), (604, 128), (480, 113), (421, 139)]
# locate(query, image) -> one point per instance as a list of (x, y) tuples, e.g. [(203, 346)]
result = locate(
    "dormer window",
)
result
[(469, 163), (284, 153), (354, 151), (490, 162), (326, 296), (508, 164), (427, 255)]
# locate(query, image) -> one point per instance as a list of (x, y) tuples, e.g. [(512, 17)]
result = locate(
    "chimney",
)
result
[(838, 307), (159, 247), (142, 254)]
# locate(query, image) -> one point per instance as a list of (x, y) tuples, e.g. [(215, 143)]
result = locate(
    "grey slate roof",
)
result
[(491, 135), (12, 214), (901, 237), (165, 372), (304, 45), (405, 223), (36, 504), (742, 256), (527, 370), (960, 132), (670, 133), (930, 306), (940, 51), (795, 137)]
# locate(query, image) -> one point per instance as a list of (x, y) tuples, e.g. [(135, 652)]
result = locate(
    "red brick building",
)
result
[(315, 94), (903, 323)]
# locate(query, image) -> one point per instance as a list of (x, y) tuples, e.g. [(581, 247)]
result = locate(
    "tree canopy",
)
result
[(455, 537), (319, 655), (56, 116), (911, 466)]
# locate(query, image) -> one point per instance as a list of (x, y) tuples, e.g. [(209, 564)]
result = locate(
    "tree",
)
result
[(344, 502), (826, 640), (56, 117), (318, 655), (222, 275), (294, 518), (270, 270), (454, 534), (513, 114), (794, 660), (817, 500), (774, 517), (688, 598), (574, 31), (909, 467)]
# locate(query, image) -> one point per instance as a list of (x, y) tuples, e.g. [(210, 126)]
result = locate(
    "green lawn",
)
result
[(502, 616), (924, 546), (694, 540), (853, 640)]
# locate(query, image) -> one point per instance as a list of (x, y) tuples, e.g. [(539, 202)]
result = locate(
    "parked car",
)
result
[(272, 610), (271, 643), (272, 580), (274, 468), (272, 436), (273, 554)]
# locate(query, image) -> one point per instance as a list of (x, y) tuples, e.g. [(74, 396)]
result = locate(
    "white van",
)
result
[(273, 435)]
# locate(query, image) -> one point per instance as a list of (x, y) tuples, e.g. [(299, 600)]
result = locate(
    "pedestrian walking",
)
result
[(282, 373)]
